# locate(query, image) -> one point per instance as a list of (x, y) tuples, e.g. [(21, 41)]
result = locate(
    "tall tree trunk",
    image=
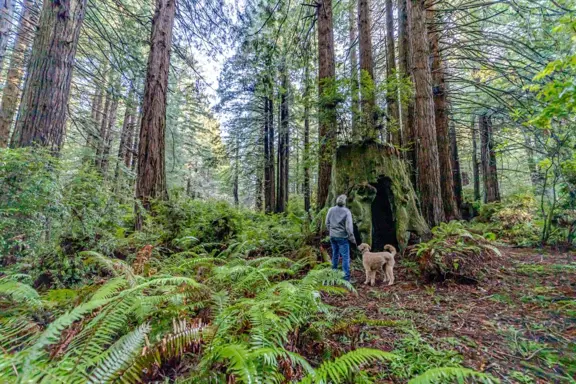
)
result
[(475, 162), (235, 186), (136, 146), (95, 119), (441, 119), (126, 136), (42, 116), (394, 128), (354, 79), (102, 134), (456, 175), (366, 71), (327, 105), (151, 177), (407, 108), (11, 93), (6, 12), (488, 157), (259, 187), (535, 176), (283, 147), (269, 169), (306, 183), (424, 127), (107, 144)]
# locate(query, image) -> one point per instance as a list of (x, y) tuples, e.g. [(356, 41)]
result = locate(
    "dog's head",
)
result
[(364, 248)]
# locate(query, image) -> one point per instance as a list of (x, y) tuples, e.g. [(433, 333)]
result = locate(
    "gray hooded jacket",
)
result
[(339, 223)]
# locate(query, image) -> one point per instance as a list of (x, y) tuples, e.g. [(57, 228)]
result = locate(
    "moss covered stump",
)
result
[(380, 195)]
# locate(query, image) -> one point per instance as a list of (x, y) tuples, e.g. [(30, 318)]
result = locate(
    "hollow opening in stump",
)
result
[(383, 223)]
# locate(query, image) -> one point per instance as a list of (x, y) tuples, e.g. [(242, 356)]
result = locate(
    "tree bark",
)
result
[(11, 93), (354, 80), (327, 105), (102, 134), (441, 120), (235, 186), (6, 12), (109, 135), (151, 175), (306, 182), (475, 162), (269, 169), (456, 174), (42, 115), (368, 100), (488, 157), (393, 126), (283, 146), (126, 136), (424, 128), (407, 109)]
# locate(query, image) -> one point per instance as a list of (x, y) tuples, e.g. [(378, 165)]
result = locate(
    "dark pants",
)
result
[(341, 248)]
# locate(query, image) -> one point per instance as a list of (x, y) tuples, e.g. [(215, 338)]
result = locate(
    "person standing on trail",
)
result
[(339, 224)]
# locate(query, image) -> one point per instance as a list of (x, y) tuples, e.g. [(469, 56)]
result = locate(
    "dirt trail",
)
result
[(519, 324)]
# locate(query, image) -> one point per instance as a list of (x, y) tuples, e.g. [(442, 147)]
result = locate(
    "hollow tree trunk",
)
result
[(441, 120), (6, 12), (354, 84), (456, 174), (151, 176), (11, 92), (327, 105), (428, 177), (394, 128), (488, 157), (283, 147), (475, 162), (42, 116), (368, 100)]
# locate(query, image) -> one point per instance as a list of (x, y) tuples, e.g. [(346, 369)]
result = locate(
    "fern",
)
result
[(114, 266), (340, 369), (19, 293), (436, 375)]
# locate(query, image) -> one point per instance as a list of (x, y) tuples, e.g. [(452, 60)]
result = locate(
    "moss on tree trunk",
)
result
[(357, 171)]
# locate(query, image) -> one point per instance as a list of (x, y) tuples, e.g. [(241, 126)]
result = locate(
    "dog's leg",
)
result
[(367, 274), (372, 277), (390, 273)]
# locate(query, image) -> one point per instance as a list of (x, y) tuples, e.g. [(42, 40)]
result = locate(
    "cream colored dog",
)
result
[(374, 261)]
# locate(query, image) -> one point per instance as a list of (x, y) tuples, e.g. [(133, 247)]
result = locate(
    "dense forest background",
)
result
[(165, 168)]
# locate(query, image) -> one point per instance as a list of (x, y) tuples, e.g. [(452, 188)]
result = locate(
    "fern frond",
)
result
[(435, 375), (19, 293), (114, 266), (110, 289), (120, 356), (162, 281), (16, 333), (339, 370), (240, 364)]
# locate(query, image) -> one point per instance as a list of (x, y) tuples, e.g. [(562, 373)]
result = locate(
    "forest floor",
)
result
[(518, 324)]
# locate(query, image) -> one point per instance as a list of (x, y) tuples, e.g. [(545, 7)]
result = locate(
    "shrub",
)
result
[(454, 253)]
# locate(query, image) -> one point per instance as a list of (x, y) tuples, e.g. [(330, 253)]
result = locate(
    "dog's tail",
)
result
[(390, 249)]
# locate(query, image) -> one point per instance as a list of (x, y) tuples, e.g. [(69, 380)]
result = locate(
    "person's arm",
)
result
[(350, 227)]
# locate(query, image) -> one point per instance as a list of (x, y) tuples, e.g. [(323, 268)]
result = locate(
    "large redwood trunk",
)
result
[(368, 100), (456, 174), (269, 169), (151, 175), (327, 105), (488, 157), (11, 92), (394, 128), (42, 116), (441, 120), (283, 147), (428, 170), (407, 110), (354, 79), (475, 162), (6, 11), (306, 190)]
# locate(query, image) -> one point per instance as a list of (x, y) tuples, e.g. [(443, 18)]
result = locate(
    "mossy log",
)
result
[(359, 171)]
